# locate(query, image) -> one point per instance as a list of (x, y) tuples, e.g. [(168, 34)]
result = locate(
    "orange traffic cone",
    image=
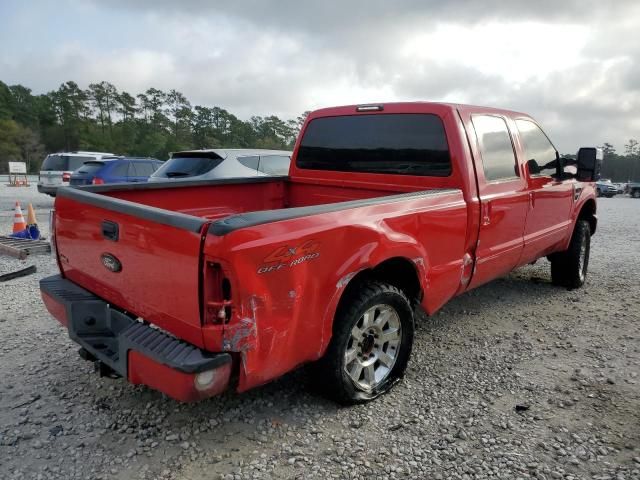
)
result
[(32, 224), (31, 216), (18, 220)]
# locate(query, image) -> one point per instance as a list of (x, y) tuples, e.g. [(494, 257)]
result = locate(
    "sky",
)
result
[(573, 65)]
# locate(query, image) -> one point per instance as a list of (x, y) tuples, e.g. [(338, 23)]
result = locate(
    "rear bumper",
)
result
[(132, 349)]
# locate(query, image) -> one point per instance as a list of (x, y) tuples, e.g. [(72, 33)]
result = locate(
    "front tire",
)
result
[(371, 344), (569, 268)]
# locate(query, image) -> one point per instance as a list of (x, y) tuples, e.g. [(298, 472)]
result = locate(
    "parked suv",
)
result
[(57, 168), (633, 189), (604, 188), (223, 163), (115, 170)]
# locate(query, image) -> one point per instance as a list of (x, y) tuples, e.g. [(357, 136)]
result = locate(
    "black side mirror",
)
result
[(589, 163), (534, 168)]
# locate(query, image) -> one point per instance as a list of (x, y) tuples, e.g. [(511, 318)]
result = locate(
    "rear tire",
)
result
[(569, 268), (635, 194), (370, 347)]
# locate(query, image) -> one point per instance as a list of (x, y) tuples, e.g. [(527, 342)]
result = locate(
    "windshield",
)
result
[(185, 165), (61, 163), (404, 144)]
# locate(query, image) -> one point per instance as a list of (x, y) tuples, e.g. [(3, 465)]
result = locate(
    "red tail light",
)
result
[(97, 181), (66, 176), (217, 295)]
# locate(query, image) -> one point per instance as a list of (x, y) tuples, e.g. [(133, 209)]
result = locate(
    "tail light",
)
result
[(97, 181), (66, 176), (217, 306)]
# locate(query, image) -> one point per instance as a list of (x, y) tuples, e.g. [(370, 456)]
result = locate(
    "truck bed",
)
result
[(161, 234), (219, 199)]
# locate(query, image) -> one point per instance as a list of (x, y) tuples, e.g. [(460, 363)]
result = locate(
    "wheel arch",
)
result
[(588, 213), (401, 272)]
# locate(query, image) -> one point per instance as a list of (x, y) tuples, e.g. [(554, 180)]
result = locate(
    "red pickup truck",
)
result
[(195, 287)]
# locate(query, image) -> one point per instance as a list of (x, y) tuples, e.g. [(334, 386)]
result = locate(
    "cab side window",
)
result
[(540, 154), (496, 149)]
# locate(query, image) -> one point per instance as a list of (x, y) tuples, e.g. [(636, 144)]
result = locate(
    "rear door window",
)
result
[(146, 168), (537, 148), (496, 149), (121, 169), (401, 144), (187, 164), (133, 170), (140, 169), (274, 164)]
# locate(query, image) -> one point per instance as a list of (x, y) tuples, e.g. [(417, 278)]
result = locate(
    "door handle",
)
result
[(532, 200), (110, 230)]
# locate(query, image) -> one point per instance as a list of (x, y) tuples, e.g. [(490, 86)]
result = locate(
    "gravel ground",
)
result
[(517, 379)]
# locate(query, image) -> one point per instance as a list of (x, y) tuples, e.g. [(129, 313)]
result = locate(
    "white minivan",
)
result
[(57, 168)]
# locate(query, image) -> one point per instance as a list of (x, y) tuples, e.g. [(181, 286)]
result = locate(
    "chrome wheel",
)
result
[(373, 347)]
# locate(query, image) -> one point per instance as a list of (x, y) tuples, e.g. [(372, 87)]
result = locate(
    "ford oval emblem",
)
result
[(110, 262)]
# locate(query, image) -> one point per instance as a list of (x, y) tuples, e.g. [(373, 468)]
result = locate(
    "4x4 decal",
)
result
[(289, 256)]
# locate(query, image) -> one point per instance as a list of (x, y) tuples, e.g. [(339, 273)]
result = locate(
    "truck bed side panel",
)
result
[(280, 269)]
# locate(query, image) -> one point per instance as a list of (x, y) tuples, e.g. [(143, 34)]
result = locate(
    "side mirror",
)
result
[(589, 163), (534, 168)]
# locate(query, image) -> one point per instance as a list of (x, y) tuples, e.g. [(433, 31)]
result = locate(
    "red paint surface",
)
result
[(281, 316), (57, 310), (178, 385)]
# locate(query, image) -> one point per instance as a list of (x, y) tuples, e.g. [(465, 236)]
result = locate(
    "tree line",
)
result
[(101, 118), (622, 167), (155, 123)]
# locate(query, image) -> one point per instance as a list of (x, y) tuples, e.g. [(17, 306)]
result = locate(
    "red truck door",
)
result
[(503, 195), (550, 199)]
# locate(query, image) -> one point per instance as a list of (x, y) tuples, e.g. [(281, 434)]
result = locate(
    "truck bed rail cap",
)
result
[(250, 219), (158, 215)]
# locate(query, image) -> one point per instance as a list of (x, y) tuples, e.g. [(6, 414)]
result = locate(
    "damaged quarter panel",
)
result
[(287, 277)]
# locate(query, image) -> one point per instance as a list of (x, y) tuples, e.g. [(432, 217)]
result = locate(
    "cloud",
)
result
[(570, 64)]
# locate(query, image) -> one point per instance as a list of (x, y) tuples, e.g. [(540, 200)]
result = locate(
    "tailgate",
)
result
[(141, 259)]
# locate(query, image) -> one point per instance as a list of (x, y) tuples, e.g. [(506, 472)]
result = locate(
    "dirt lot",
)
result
[(571, 357)]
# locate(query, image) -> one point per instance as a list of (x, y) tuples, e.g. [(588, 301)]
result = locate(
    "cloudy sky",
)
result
[(574, 65)]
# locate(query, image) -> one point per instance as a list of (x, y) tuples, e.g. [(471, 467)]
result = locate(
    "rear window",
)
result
[(90, 167), (60, 163), (184, 165), (404, 144)]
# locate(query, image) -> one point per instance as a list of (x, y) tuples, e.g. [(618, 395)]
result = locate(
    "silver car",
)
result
[(223, 163), (56, 169)]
